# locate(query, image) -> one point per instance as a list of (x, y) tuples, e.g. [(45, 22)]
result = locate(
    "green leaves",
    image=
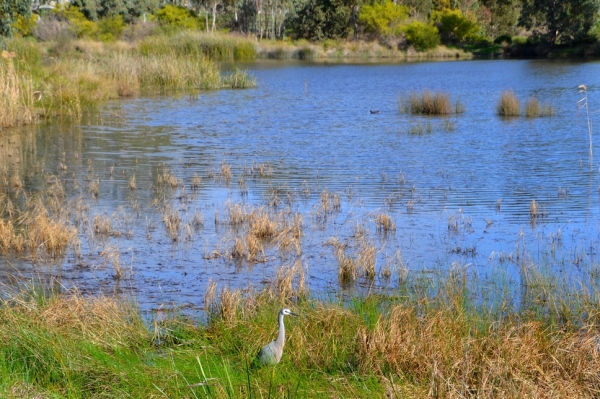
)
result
[(383, 18), (559, 22), (10, 10)]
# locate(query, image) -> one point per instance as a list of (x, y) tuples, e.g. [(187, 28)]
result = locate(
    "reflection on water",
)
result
[(459, 199)]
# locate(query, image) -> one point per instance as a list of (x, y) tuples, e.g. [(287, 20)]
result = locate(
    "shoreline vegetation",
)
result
[(435, 334), (426, 339)]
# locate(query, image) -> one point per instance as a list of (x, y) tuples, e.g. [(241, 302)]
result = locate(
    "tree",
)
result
[(453, 25), (559, 21), (383, 18), (503, 16), (421, 35), (10, 10), (323, 19)]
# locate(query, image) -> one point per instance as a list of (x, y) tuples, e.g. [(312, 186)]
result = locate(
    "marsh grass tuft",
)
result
[(509, 104), (533, 108), (429, 103)]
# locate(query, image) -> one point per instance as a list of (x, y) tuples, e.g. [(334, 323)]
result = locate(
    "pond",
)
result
[(458, 189)]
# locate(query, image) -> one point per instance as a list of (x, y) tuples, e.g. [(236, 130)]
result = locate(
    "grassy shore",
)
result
[(427, 339), (61, 80)]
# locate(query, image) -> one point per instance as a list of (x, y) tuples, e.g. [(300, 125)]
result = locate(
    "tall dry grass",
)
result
[(509, 104), (429, 103), (533, 108), (82, 74), (17, 96)]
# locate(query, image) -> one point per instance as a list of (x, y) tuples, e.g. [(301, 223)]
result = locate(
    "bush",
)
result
[(421, 35), (383, 18), (454, 26), (172, 18), (50, 28), (503, 39), (79, 25), (24, 26), (110, 28)]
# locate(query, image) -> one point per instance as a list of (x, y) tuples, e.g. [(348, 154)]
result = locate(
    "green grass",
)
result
[(429, 335)]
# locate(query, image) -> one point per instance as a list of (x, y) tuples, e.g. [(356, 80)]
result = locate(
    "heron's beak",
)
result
[(294, 314)]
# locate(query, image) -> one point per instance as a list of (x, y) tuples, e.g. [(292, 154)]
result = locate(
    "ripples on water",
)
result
[(311, 123)]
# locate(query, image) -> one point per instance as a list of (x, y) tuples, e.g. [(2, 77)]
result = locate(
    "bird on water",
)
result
[(271, 353)]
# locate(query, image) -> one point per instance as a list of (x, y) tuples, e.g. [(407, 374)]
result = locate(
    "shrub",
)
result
[(79, 25), (173, 18), (50, 28), (421, 35), (383, 18), (24, 26), (503, 39), (110, 28), (453, 25)]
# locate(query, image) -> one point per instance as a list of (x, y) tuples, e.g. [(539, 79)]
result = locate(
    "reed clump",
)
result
[(429, 103), (533, 108), (509, 104)]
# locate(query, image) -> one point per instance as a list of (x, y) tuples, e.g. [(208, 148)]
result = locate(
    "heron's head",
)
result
[(287, 312)]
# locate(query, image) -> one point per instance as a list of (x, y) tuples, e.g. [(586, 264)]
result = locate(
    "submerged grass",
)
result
[(427, 339)]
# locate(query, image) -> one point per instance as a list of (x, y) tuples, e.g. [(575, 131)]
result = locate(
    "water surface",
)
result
[(460, 196)]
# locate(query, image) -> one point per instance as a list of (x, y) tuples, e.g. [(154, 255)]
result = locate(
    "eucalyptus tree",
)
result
[(559, 21), (128, 9)]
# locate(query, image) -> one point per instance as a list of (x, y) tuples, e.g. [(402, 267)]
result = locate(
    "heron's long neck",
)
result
[(281, 335)]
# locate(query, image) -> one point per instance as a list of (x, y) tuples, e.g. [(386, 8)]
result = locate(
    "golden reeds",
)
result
[(533, 108), (429, 103), (509, 104)]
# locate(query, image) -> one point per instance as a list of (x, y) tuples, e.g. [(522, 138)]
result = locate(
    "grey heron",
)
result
[(270, 354)]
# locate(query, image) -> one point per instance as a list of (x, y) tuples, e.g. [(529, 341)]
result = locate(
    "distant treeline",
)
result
[(422, 24)]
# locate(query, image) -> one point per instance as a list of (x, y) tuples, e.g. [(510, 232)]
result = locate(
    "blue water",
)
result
[(310, 123)]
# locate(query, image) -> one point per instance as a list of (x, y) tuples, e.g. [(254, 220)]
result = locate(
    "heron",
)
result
[(270, 354)]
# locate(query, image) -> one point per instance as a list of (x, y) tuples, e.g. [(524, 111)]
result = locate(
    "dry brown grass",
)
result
[(534, 210), (384, 222), (107, 322), (508, 360), (509, 104), (17, 99), (533, 108), (330, 202), (286, 278)]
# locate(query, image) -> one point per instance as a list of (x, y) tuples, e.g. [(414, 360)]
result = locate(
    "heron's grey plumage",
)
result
[(271, 353)]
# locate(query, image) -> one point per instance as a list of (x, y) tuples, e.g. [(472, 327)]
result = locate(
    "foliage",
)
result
[(10, 10), (453, 25), (127, 9), (421, 35), (25, 26), (110, 28), (322, 19), (175, 17), (79, 25), (501, 16), (561, 22), (383, 18)]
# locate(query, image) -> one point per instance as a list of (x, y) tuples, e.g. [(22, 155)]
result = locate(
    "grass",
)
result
[(509, 104), (429, 103), (533, 108), (61, 80), (429, 338)]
